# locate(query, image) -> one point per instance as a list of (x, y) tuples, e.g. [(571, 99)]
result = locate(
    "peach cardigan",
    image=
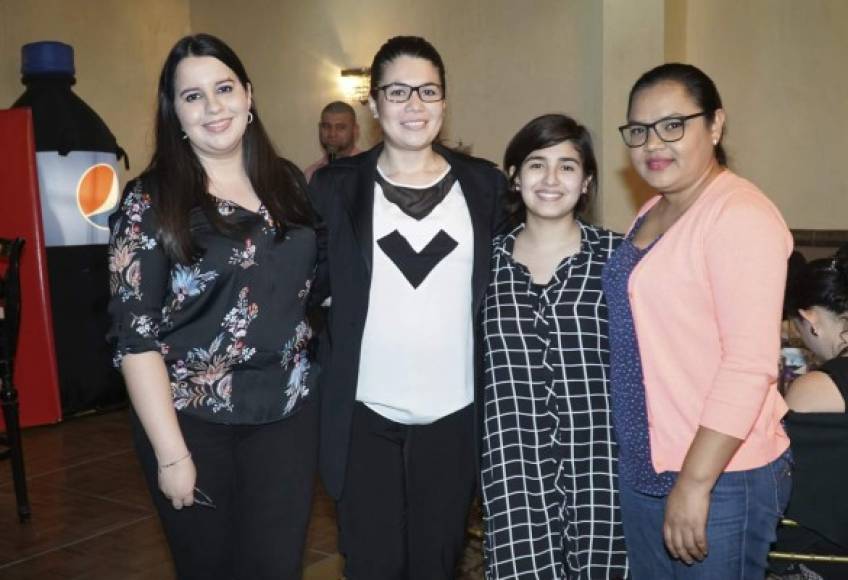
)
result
[(706, 303)]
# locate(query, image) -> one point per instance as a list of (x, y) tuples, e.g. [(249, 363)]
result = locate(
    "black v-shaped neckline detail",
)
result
[(417, 202)]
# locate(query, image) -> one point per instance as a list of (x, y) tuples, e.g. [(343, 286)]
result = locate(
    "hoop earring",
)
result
[(249, 117)]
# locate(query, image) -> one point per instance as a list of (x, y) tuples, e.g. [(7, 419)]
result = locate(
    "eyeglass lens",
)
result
[(668, 130)]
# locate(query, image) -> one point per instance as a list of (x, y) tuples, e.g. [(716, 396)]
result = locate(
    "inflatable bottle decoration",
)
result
[(77, 157)]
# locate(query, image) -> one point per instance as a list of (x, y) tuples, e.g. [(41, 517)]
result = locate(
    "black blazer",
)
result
[(343, 196)]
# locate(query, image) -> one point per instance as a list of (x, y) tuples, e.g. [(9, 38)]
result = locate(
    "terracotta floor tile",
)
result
[(116, 477), (135, 551), (329, 568), (63, 445), (59, 517)]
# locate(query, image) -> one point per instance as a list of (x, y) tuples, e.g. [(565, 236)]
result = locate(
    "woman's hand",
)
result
[(685, 525), (177, 482), (149, 388), (688, 504)]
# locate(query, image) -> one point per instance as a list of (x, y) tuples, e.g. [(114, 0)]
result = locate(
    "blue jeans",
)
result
[(745, 507)]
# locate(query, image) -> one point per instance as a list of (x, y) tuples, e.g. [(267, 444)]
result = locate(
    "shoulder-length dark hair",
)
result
[(541, 133), (177, 181)]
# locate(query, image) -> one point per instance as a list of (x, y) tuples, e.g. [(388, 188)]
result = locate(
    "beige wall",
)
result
[(119, 47), (782, 69), (778, 63), (506, 61), (626, 25)]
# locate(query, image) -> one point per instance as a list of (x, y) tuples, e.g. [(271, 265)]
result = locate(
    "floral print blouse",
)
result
[(231, 326)]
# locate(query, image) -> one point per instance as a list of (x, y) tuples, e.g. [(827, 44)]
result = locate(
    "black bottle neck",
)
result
[(48, 81)]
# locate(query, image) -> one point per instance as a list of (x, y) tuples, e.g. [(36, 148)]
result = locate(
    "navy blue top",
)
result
[(627, 384)]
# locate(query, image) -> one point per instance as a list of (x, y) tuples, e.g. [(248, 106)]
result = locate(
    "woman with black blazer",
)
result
[(408, 230)]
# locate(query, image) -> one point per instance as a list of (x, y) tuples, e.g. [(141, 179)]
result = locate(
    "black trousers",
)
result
[(260, 479), (404, 508)]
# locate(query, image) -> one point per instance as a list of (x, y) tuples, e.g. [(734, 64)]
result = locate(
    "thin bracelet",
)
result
[(173, 463)]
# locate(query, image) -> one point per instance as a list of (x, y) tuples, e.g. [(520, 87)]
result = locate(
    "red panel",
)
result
[(35, 371)]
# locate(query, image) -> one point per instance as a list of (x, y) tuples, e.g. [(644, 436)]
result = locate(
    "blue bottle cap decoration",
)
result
[(47, 57)]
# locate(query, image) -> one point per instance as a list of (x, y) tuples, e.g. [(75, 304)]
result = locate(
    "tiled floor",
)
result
[(93, 519), (92, 516)]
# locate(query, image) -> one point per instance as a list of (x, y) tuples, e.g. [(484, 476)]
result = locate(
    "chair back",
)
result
[(10, 300)]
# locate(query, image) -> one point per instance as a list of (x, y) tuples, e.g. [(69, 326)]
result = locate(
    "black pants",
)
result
[(260, 478), (403, 510)]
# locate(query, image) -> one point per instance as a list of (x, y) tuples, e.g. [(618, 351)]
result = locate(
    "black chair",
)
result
[(10, 319), (804, 556)]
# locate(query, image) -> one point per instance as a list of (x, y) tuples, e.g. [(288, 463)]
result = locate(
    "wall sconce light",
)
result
[(356, 83)]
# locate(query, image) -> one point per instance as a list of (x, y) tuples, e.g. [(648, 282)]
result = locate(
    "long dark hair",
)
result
[(177, 181), (699, 87), (541, 133)]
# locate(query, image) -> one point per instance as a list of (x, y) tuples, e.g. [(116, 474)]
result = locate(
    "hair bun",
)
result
[(839, 263)]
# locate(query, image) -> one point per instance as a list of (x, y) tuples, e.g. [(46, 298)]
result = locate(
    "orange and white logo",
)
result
[(97, 194)]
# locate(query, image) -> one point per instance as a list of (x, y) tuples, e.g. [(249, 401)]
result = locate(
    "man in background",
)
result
[(337, 133)]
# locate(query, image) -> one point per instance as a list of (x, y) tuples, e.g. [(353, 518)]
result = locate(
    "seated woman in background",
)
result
[(549, 459), (817, 303)]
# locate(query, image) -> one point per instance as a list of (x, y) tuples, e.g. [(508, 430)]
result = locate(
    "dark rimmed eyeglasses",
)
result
[(668, 129), (401, 93)]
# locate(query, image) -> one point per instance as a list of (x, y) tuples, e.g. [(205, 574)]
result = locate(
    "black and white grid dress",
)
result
[(549, 458)]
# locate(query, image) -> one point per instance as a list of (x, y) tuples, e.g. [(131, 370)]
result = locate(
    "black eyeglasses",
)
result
[(668, 129), (401, 93)]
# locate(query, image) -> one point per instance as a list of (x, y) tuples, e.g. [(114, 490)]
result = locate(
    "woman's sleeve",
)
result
[(746, 256), (500, 215), (317, 198), (138, 276)]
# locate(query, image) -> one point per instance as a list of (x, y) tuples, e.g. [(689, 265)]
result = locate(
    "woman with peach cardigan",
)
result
[(695, 295)]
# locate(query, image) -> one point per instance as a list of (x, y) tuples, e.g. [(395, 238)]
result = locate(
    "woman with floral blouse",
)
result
[(212, 255)]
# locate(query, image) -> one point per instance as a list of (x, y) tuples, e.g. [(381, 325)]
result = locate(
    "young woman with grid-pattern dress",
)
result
[(549, 458)]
